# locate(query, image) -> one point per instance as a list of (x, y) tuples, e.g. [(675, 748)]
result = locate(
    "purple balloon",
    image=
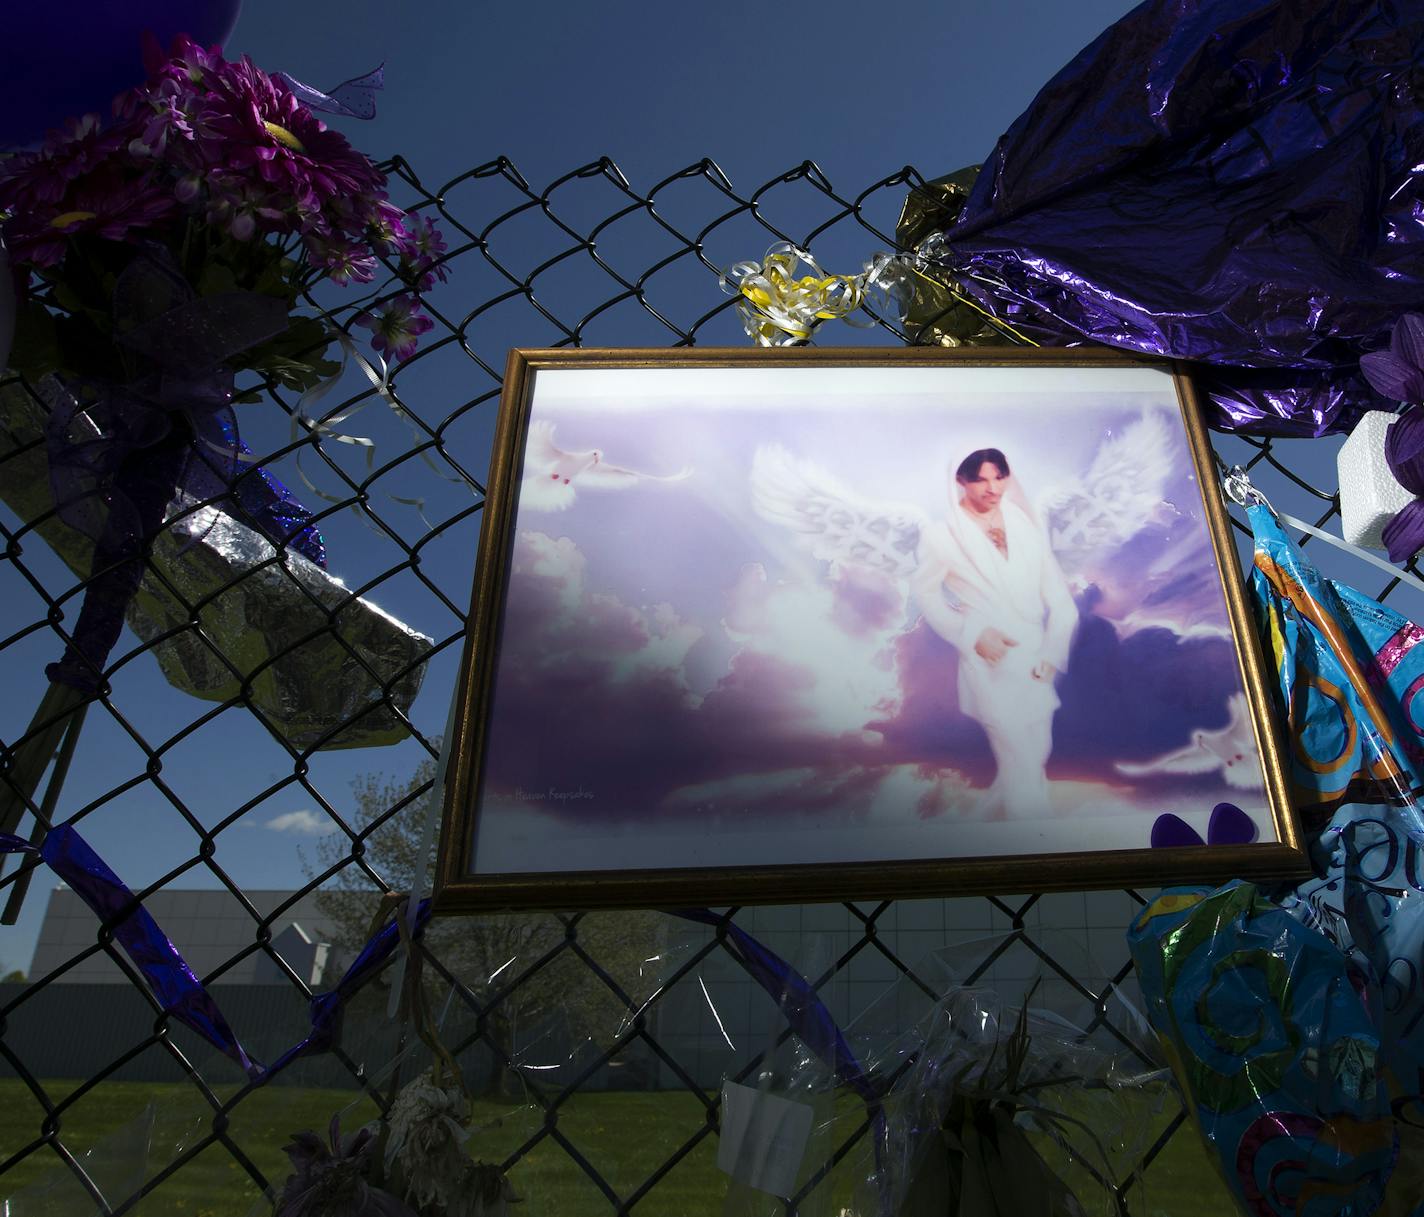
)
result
[(69, 63)]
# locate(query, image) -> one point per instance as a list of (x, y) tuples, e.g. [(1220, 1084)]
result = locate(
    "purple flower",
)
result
[(421, 253), (250, 124), (384, 224), (165, 112), (105, 203), (235, 206), (186, 63), (188, 188), (343, 260), (397, 326), (1398, 373), (329, 1179), (33, 181)]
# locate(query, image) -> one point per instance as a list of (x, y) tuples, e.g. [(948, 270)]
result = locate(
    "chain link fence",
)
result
[(612, 1109)]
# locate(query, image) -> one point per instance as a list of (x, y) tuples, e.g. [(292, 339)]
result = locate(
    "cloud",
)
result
[(303, 823), (819, 697), (594, 693)]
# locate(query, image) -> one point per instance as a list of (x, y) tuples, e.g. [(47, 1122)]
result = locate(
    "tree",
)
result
[(13, 977), (525, 967)]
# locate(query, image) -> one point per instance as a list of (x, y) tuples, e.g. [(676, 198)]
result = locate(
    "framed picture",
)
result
[(831, 624)]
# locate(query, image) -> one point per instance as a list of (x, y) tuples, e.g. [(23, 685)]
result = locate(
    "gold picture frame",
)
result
[(466, 883)]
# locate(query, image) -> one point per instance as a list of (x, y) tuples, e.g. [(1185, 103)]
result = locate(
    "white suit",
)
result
[(1024, 595)]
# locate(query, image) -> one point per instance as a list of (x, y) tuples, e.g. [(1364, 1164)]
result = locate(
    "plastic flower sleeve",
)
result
[(1005, 1103), (1088, 1102)]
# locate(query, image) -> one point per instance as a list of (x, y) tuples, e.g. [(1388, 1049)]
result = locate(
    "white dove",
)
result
[(1232, 750), (551, 474)]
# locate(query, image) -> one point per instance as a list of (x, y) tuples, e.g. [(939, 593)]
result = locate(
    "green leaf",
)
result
[(216, 278)]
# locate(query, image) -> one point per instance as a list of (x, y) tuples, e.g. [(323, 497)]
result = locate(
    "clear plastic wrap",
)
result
[(1018, 1090), (111, 1170)]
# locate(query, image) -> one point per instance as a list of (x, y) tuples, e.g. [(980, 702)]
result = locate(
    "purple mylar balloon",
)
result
[(1233, 182), (73, 60)]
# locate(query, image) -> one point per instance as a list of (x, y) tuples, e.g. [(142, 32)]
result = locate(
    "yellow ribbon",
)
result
[(779, 308)]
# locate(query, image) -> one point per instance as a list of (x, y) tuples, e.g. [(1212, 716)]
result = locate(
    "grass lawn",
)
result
[(625, 1136)]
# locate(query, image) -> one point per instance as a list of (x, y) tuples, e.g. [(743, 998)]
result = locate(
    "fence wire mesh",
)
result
[(397, 482)]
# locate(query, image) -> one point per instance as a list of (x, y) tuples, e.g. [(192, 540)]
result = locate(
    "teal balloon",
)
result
[(66, 60)]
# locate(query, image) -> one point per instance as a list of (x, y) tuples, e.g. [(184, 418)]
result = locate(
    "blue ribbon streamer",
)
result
[(158, 961), (167, 974)]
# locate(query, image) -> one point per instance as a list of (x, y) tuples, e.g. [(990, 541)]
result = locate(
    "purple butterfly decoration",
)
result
[(1229, 825), (354, 98)]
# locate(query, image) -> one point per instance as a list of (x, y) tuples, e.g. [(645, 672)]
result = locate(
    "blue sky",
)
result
[(756, 87)]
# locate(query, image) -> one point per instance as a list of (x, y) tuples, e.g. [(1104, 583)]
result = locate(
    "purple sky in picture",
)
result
[(600, 689)]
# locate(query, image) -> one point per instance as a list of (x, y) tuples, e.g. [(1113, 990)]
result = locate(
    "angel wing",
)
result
[(1119, 493), (830, 520)]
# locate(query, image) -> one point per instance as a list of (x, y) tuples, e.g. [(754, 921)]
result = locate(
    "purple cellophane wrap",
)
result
[(1236, 182)]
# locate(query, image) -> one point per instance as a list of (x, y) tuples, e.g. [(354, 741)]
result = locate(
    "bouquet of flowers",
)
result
[(160, 253), (217, 175)]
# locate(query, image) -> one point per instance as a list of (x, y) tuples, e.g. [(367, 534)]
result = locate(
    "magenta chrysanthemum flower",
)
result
[(186, 63), (34, 180), (396, 326), (106, 204), (250, 124), (204, 142)]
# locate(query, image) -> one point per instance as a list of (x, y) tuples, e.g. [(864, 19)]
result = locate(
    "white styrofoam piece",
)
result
[(1369, 495)]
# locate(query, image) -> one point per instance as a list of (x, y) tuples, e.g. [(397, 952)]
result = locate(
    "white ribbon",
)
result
[(1242, 491)]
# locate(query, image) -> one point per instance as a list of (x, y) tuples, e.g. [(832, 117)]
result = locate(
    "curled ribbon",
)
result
[(325, 427), (778, 308)]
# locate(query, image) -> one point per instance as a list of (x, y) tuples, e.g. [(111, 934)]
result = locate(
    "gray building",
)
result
[(208, 927), (711, 1021)]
